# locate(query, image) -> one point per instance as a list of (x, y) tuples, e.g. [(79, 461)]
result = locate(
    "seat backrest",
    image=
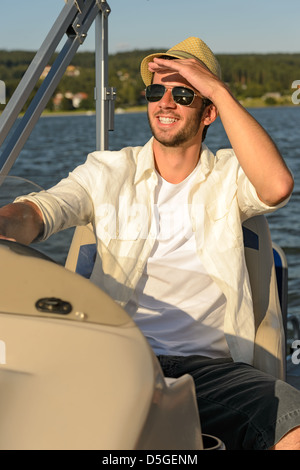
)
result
[(82, 253), (269, 287), (281, 269)]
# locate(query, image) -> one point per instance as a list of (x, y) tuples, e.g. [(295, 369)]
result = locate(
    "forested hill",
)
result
[(249, 75)]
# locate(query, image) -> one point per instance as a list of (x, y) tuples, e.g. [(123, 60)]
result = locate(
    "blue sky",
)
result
[(230, 26)]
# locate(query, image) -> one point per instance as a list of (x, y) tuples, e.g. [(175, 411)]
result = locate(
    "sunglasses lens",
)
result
[(154, 93), (182, 95)]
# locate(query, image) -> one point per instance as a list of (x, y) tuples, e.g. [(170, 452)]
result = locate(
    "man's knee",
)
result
[(291, 441)]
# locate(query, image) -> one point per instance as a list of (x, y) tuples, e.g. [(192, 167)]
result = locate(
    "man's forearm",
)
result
[(21, 222), (257, 153)]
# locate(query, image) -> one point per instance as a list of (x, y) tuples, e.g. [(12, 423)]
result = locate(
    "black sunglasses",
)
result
[(181, 95)]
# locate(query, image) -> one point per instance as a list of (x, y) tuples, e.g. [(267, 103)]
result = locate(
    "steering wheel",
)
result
[(25, 250)]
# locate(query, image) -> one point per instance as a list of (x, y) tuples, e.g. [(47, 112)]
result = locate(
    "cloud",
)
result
[(121, 47)]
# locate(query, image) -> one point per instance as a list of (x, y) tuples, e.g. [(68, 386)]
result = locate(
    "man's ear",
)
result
[(210, 114)]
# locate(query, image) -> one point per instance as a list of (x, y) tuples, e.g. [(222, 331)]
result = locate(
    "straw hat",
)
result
[(191, 48)]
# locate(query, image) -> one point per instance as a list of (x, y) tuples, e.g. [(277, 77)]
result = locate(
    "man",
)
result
[(168, 218)]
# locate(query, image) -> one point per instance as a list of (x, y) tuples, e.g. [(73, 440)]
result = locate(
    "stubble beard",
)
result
[(182, 137)]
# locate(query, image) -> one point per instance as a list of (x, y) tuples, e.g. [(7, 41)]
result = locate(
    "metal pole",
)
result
[(104, 95), (34, 71), (36, 107), (75, 20)]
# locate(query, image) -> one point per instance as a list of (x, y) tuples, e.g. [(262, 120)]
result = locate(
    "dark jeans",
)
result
[(244, 407)]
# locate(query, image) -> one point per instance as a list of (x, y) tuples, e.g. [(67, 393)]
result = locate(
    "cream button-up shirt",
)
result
[(115, 192)]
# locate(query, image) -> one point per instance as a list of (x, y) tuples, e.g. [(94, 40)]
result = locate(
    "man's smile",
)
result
[(166, 120)]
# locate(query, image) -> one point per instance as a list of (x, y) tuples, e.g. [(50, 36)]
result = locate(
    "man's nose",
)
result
[(167, 100)]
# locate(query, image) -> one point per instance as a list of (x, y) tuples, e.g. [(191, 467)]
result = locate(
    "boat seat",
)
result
[(267, 267), (281, 269), (82, 252)]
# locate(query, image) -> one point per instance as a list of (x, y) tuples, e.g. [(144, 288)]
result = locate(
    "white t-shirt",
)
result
[(179, 308)]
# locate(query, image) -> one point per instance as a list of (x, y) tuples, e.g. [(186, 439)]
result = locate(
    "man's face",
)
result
[(175, 125)]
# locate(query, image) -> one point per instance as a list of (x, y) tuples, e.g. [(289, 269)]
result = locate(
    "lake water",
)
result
[(58, 144)]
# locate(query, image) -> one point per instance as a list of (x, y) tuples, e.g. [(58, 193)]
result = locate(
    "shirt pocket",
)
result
[(224, 215), (128, 248), (221, 203)]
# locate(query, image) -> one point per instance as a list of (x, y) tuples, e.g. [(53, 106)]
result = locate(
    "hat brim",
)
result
[(145, 72)]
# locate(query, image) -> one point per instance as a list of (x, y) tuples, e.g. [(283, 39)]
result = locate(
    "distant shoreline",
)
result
[(247, 103)]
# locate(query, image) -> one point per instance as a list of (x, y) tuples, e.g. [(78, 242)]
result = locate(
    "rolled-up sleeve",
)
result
[(249, 202), (65, 205)]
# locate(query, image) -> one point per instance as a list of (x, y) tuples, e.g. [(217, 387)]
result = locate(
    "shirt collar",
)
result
[(207, 160), (145, 162)]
